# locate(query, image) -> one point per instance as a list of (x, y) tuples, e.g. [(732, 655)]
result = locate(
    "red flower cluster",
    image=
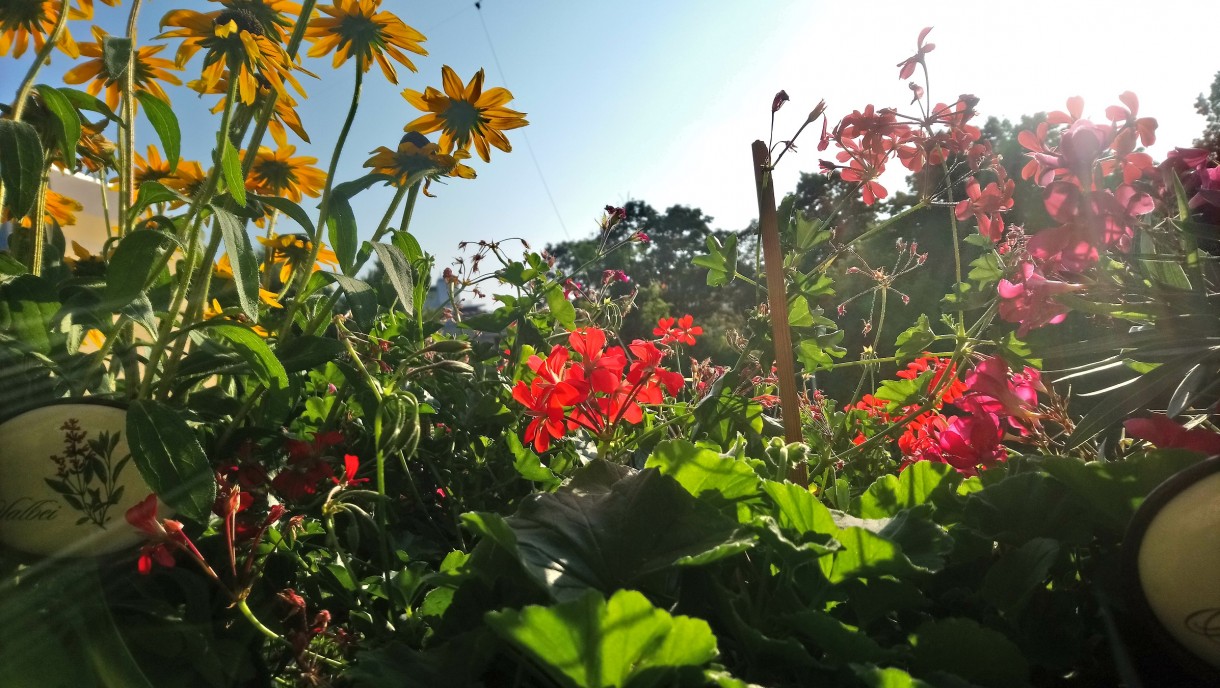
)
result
[(877, 408), (683, 333), (967, 427), (1093, 180), (165, 536), (585, 385), (307, 466), (868, 139)]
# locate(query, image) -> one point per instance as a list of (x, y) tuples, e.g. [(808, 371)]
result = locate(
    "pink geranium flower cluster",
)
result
[(1095, 189), (966, 429), (997, 404)]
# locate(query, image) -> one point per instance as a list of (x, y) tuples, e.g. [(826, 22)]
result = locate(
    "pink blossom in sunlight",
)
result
[(1167, 434), (1030, 300), (987, 205)]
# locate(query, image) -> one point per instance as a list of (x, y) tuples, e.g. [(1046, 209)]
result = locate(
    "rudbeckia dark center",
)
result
[(275, 171), (15, 14), (462, 116), (245, 20)]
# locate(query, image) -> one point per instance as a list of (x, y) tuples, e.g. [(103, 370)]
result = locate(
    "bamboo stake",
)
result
[(777, 299)]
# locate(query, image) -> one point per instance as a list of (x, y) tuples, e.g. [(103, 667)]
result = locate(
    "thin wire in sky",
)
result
[(542, 177)]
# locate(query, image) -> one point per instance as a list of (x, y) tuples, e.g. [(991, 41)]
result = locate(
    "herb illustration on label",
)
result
[(86, 473)]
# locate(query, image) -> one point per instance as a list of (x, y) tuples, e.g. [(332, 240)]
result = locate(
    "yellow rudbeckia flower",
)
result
[(465, 114)]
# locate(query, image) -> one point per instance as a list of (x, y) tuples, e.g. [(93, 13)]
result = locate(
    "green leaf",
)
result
[(986, 269), (527, 463), (561, 308), (842, 644), (820, 350), (701, 470), (116, 54), (915, 340), (151, 193), (137, 260), (165, 123), (360, 298), (170, 458), (20, 166), (891, 494), (864, 554), (1121, 403), (902, 393), (230, 167), (341, 230), (810, 232), (1025, 506), (66, 122), (308, 351), (964, 296), (601, 530), (11, 266), (1011, 580), (890, 677), (409, 246), (263, 363), (287, 207), (27, 313), (243, 260), (980, 655), (721, 260), (398, 269), (1114, 490), (799, 510), (1186, 391), (591, 642), (341, 219), (84, 101)]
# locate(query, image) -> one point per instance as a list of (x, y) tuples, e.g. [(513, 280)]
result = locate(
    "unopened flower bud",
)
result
[(449, 346), (459, 367), (778, 101), (817, 111)]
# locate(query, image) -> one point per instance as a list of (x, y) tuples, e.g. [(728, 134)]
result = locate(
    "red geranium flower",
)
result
[(907, 67)]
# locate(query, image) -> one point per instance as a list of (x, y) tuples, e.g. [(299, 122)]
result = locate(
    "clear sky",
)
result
[(660, 100)]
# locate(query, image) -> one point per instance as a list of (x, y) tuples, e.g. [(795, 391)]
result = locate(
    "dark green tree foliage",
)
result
[(668, 284), (1209, 106)]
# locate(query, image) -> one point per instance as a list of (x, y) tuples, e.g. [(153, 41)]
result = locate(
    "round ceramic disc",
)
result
[(1179, 563), (68, 480)]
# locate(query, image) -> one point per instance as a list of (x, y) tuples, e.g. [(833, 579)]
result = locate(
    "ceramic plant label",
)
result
[(68, 481)]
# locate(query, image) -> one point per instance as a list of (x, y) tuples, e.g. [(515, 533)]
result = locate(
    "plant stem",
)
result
[(870, 233), (301, 275), (244, 608), (184, 283), (38, 222), (957, 249), (127, 141), (409, 210), (194, 306), (264, 115)]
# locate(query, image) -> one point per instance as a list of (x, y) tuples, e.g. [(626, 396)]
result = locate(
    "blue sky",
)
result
[(659, 101)]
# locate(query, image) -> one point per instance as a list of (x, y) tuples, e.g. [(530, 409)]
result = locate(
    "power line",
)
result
[(529, 148)]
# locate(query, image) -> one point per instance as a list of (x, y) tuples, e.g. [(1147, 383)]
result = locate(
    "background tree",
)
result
[(665, 281), (1208, 105)]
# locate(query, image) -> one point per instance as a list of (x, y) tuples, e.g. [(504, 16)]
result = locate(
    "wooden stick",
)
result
[(777, 298)]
